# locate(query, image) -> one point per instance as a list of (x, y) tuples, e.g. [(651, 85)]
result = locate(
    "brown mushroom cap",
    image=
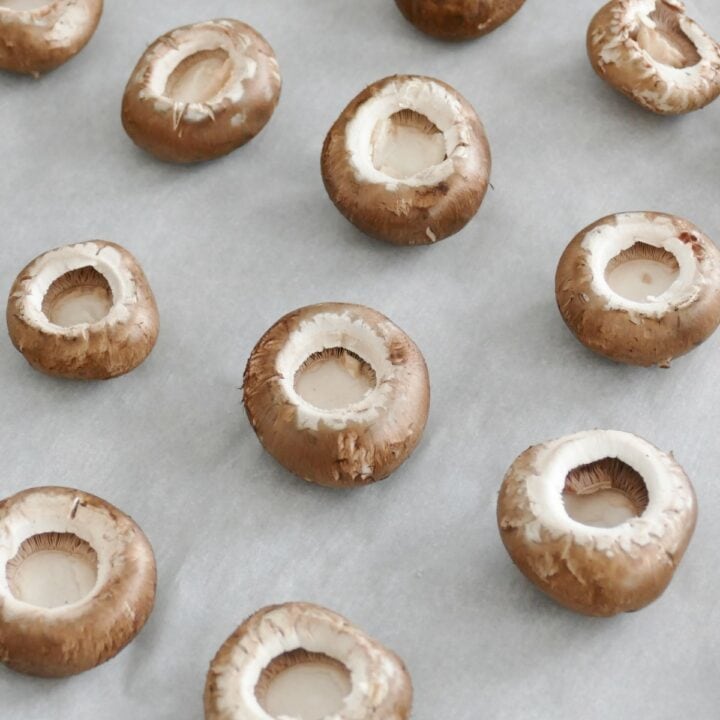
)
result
[(640, 333), (653, 53), (381, 688), (113, 341), (69, 639), (458, 19), (597, 570), (435, 200), (41, 38), (352, 445), (201, 91)]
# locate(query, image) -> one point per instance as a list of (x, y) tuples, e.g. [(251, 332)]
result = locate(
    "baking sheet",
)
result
[(232, 245)]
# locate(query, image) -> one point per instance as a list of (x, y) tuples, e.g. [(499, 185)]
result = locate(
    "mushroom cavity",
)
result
[(655, 54), (77, 581), (304, 662), (83, 311), (201, 91), (598, 520), (337, 393), (458, 19), (407, 161), (641, 288), (37, 36)]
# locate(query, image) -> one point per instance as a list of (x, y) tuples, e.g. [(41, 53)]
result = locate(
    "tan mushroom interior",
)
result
[(200, 77), (666, 42), (303, 686), (642, 272), (24, 4), (605, 493), (406, 143), (78, 296), (334, 378), (52, 569)]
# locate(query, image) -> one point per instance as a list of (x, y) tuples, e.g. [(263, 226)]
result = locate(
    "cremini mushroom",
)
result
[(598, 520), (201, 91), (77, 581), (304, 662), (37, 36), (651, 51), (83, 311), (458, 19), (640, 287), (337, 393), (407, 161)]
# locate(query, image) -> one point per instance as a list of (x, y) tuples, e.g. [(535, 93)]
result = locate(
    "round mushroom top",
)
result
[(60, 21)]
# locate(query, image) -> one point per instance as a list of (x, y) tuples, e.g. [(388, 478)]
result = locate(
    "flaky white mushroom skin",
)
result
[(596, 571), (178, 131), (619, 58), (110, 347), (640, 333), (355, 445), (428, 206), (38, 40), (381, 686), (70, 639)]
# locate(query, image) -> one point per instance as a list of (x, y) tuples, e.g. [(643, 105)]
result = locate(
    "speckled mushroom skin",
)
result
[(587, 578), (358, 454), (635, 338), (171, 136), (102, 350), (59, 644), (37, 42), (403, 216), (458, 19)]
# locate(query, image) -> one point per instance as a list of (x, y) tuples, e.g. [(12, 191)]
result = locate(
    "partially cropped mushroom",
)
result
[(407, 161), (337, 393), (458, 19), (652, 52), (77, 581), (598, 520), (201, 91), (304, 662), (83, 311), (640, 288), (37, 36)]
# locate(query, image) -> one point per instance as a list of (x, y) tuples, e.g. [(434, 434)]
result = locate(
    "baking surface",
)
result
[(230, 246)]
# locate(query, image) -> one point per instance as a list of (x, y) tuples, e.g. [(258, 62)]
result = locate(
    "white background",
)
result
[(232, 245)]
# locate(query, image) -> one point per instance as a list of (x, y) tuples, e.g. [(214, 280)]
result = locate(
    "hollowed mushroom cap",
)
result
[(381, 686), (640, 333), (112, 346), (232, 88), (652, 52), (593, 570), (431, 204), (349, 446), (458, 19), (35, 41), (65, 640)]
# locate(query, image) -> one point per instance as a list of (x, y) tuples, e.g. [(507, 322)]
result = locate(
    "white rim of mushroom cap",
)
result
[(302, 626), (621, 232), (423, 96), (69, 16)]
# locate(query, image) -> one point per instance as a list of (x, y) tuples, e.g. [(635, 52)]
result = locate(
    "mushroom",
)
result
[(407, 161), (651, 51), (83, 311), (640, 288), (598, 520), (201, 91), (458, 19), (77, 581), (304, 662), (337, 393), (37, 36)]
